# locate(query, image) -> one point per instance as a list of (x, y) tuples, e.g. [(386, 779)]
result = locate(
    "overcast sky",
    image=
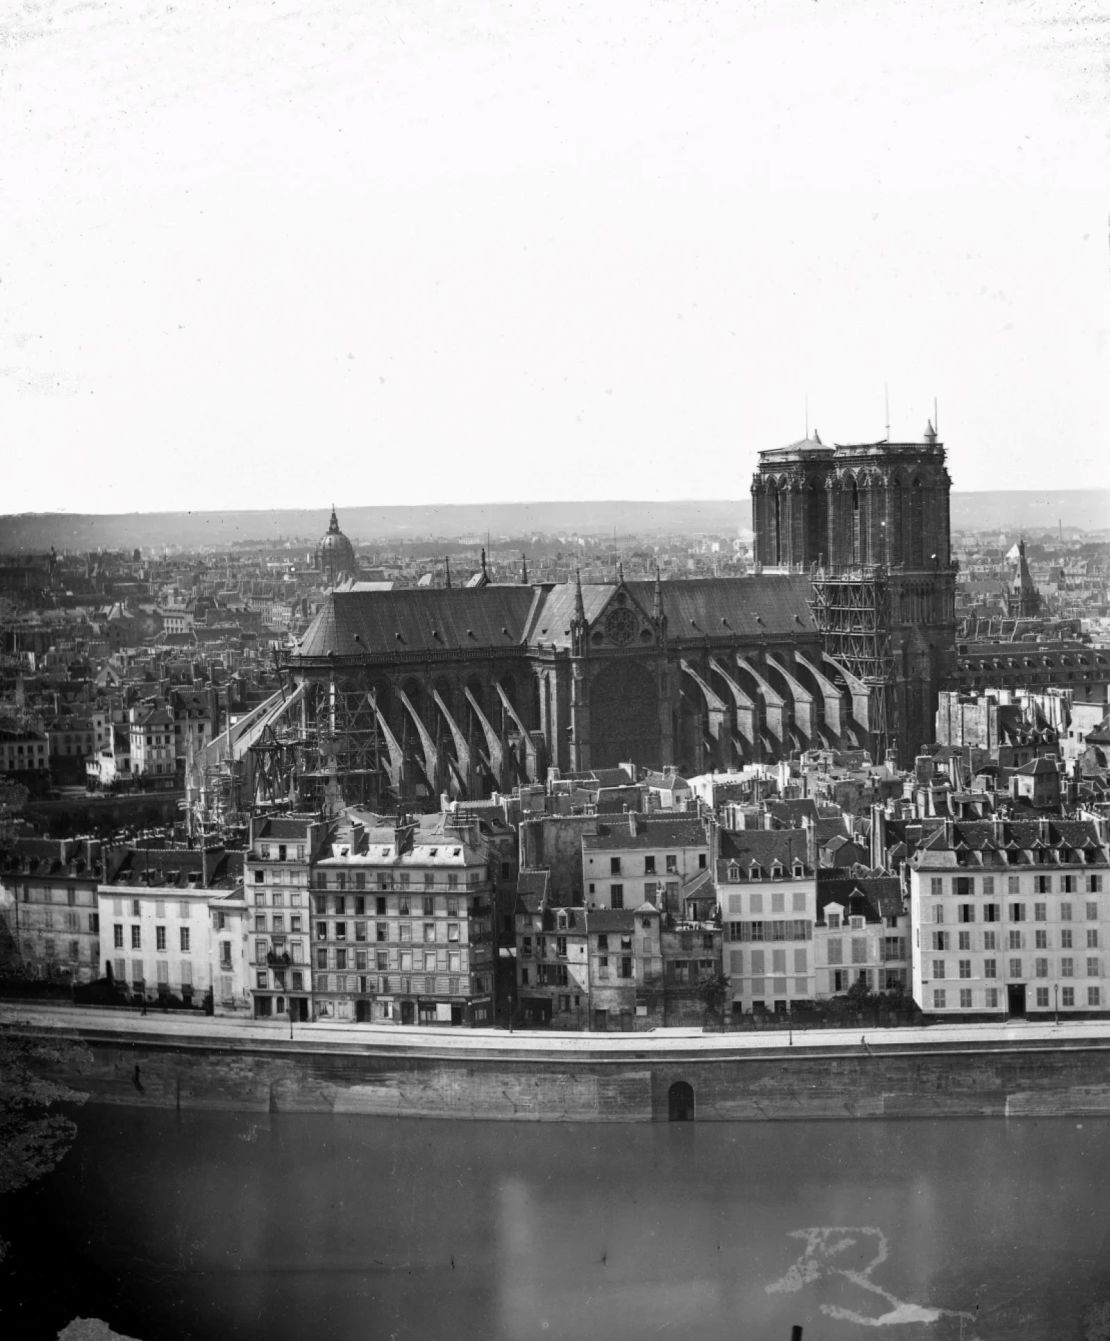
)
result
[(404, 251)]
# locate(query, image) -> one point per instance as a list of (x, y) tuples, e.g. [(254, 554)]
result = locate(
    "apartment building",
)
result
[(767, 887), (50, 911), (662, 860), (552, 959), (862, 935), (402, 925), (1011, 917), (625, 959), (152, 744), (277, 880)]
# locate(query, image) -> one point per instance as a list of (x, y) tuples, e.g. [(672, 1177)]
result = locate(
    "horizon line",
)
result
[(507, 503)]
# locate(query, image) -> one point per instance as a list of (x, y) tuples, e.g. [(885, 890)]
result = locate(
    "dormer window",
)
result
[(833, 920), (856, 923), (734, 872), (776, 871), (799, 870), (755, 871)]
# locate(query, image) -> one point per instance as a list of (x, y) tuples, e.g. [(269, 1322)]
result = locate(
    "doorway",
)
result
[(680, 1102), (408, 1012), (1015, 998)]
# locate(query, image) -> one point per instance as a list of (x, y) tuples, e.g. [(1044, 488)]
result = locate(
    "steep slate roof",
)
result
[(881, 895), (763, 847), (435, 619), (1023, 835), (503, 616), (781, 601)]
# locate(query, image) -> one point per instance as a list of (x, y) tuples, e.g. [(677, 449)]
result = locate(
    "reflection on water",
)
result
[(206, 1225)]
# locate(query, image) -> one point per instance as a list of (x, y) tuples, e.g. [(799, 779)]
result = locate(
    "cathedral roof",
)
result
[(354, 623)]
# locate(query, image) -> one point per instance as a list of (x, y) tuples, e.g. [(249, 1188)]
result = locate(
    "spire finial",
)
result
[(447, 570), (579, 603), (524, 570), (620, 570), (657, 596), (484, 573)]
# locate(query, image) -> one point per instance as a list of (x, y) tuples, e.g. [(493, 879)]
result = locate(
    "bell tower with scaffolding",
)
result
[(869, 523)]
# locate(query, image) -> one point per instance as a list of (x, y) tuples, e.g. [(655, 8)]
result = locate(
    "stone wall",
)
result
[(926, 1080)]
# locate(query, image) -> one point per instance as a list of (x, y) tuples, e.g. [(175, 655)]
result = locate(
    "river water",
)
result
[(311, 1227)]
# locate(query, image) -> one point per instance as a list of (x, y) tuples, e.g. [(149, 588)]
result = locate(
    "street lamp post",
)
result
[(1056, 1012)]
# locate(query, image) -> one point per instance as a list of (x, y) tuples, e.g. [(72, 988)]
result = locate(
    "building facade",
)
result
[(862, 936), (402, 926), (1011, 917), (767, 888), (634, 859), (277, 880)]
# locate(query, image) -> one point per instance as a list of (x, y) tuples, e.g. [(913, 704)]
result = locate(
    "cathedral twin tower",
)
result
[(869, 523)]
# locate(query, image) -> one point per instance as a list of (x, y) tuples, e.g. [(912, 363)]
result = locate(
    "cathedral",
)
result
[(841, 638)]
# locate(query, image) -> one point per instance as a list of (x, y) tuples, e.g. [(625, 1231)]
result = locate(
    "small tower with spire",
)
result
[(578, 620), (1024, 601), (658, 618), (524, 570)]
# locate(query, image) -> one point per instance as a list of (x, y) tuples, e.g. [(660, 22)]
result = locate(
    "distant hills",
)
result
[(35, 532)]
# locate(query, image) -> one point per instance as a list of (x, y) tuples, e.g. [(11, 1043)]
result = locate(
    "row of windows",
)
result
[(395, 879), (386, 931), (280, 851), (968, 998), (160, 940), (69, 898), (875, 980), (402, 906), (72, 948), (774, 872), (758, 988), (758, 903), (670, 867), (797, 930), (183, 907), (891, 947), (758, 962), (1015, 940), (969, 885), (1066, 966), (450, 961), (161, 973), (67, 921), (1015, 912), (438, 985)]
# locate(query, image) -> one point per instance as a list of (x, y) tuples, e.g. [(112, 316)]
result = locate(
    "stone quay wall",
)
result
[(913, 1080)]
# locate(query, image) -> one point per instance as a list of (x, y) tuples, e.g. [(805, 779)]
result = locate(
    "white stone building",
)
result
[(767, 889), (1011, 918)]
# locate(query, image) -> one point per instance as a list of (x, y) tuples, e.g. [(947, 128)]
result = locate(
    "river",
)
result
[(309, 1227)]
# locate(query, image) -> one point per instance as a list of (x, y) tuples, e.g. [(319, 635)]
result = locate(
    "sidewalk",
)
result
[(496, 1042)]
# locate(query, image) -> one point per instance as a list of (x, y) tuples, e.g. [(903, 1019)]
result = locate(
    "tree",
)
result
[(34, 1137), (713, 990)]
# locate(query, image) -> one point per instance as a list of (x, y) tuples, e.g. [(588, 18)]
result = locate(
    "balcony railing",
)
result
[(278, 960)]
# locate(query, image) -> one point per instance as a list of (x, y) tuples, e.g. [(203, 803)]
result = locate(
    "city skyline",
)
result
[(552, 255)]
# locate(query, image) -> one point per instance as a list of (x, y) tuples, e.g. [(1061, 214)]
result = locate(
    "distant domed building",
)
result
[(335, 555)]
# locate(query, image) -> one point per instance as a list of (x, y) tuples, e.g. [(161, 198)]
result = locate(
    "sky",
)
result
[(262, 255)]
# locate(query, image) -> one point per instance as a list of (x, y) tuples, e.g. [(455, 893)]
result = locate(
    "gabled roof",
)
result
[(356, 623)]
